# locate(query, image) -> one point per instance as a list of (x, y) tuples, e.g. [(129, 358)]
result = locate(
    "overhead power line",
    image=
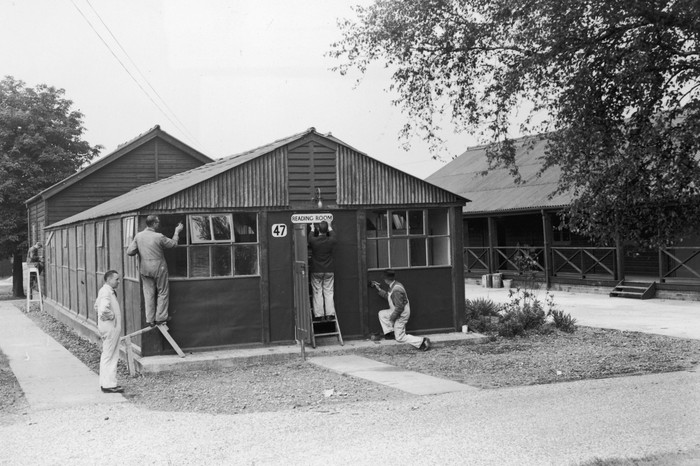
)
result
[(174, 119)]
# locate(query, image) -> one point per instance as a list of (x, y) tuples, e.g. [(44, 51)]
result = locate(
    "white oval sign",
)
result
[(312, 218), (279, 230)]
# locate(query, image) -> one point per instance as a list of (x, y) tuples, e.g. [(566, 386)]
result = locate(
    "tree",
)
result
[(612, 85), (40, 144)]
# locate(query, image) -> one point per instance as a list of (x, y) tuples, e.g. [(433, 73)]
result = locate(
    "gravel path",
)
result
[(557, 424)]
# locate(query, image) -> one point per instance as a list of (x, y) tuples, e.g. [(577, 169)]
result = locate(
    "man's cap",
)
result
[(390, 274)]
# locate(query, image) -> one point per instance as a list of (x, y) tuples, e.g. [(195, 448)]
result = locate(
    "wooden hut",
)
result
[(505, 221), (151, 156), (242, 256)]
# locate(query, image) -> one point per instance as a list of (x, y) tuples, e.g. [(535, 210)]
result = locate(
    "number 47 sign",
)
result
[(279, 230)]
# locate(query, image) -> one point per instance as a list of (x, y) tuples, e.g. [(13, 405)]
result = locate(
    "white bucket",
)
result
[(507, 283)]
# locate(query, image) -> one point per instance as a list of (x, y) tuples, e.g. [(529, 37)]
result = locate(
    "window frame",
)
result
[(404, 239), (189, 246)]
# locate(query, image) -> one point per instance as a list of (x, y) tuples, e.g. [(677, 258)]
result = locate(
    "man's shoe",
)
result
[(151, 324), (161, 322), (425, 346), (116, 389), (389, 336)]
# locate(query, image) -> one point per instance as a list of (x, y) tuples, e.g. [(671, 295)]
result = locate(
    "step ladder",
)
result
[(130, 359), (634, 290), (34, 272), (325, 328)]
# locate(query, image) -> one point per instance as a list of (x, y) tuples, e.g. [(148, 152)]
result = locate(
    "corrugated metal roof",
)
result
[(497, 190), (155, 193), (123, 148)]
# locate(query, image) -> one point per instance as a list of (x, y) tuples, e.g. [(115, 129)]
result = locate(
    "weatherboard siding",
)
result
[(256, 183), (129, 171), (365, 181)]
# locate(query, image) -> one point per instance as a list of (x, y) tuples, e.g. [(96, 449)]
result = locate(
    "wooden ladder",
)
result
[(33, 271), (324, 332), (130, 352)]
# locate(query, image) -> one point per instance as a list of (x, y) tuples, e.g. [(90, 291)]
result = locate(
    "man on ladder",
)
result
[(322, 245)]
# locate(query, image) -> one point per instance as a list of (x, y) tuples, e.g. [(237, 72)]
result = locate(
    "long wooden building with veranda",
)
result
[(240, 270), (506, 221)]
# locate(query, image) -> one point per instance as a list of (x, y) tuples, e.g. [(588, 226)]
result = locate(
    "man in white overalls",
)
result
[(109, 324), (394, 319)]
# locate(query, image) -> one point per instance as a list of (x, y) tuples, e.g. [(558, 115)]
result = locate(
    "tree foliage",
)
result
[(40, 144), (613, 85)]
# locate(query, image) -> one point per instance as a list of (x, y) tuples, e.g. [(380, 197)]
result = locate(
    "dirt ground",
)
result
[(538, 359)]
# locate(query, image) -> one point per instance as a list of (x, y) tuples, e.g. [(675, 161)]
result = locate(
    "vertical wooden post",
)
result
[(456, 232), (661, 265), (620, 252), (546, 234), (493, 242)]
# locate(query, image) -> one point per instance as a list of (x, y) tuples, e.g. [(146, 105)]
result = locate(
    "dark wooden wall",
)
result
[(155, 159), (312, 166)]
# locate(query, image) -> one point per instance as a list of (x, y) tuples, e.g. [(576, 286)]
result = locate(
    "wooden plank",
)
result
[(164, 330)]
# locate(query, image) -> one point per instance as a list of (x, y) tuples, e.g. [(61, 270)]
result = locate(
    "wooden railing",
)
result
[(584, 261), (476, 260), (679, 263), (682, 259), (512, 258)]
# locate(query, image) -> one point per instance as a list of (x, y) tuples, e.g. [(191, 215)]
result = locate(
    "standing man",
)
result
[(394, 319), (322, 271), (149, 245), (109, 324)]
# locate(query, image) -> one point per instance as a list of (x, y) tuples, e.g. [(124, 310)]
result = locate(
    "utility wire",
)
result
[(187, 133), (182, 125)]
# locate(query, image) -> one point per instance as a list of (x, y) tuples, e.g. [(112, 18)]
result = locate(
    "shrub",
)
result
[(563, 321), (478, 313)]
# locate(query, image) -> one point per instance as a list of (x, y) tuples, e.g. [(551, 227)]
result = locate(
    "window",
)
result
[(560, 233), (100, 247), (210, 228), (214, 245), (408, 238), (128, 233), (80, 243)]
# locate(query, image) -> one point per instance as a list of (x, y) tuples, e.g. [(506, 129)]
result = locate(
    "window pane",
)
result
[(199, 229), (415, 222), (398, 223), (418, 257), (100, 234), (177, 261), (127, 230), (221, 261), (399, 253), (245, 226), (222, 227), (246, 260), (439, 251), (376, 224), (437, 222), (199, 261), (377, 254)]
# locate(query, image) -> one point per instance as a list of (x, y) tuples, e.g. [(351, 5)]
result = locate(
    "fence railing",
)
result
[(681, 262), (584, 261)]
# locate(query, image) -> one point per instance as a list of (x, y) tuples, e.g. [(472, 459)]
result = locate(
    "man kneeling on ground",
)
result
[(394, 319)]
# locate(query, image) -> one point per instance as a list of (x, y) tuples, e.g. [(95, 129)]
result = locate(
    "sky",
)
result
[(230, 75)]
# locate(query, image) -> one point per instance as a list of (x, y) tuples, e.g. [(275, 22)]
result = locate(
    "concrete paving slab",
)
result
[(386, 374), (49, 374), (229, 358)]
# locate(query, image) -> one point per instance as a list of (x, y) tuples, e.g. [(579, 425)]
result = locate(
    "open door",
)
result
[(302, 307)]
